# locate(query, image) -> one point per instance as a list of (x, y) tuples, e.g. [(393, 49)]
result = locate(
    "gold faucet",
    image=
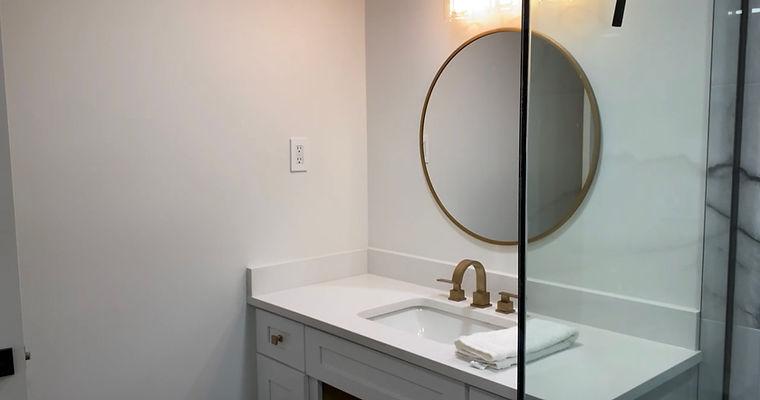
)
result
[(480, 298)]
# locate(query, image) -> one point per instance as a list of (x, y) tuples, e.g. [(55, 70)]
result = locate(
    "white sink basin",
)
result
[(435, 320)]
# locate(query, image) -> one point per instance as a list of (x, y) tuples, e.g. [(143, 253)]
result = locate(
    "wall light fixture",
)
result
[(477, 10)]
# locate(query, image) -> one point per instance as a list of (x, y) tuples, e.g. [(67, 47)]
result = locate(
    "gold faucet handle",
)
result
[(456, 293), (505, 305), (506, 296)]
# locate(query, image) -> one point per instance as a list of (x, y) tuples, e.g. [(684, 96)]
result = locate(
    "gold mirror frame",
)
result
[(596, 135)]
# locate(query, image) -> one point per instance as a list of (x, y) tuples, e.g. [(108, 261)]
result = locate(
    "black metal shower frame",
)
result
[(522, 235), (736, 170)]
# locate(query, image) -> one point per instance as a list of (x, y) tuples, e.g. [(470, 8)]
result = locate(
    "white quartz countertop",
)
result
[(602, 365)]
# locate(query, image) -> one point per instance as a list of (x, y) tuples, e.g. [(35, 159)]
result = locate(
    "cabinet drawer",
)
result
[(279, 382), (477, 394), (371, 375), (280, 339)]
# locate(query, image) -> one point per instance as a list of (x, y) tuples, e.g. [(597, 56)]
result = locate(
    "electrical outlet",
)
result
[(298, 147)]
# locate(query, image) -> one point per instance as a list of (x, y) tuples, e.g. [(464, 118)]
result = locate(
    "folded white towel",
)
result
[(498, 349)]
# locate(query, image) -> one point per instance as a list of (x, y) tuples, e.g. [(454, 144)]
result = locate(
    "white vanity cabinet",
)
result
[(292, 359)]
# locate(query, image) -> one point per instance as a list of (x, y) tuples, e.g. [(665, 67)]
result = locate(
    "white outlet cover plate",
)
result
[(298, 154)]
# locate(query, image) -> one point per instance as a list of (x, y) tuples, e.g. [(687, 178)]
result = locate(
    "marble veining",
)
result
[(747, 293), (747, 289), (715, 263), (718, 193), (747, 296)]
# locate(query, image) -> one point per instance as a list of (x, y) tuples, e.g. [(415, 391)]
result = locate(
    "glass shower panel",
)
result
[(616, 165)]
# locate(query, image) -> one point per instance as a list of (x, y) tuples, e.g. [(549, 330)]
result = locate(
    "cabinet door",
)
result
[(279, 382), (371, 375)]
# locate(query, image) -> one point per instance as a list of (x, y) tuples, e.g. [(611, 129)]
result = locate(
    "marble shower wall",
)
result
[(720, 158), (718, 200), (745, 368), (746, 332), (747, 298)]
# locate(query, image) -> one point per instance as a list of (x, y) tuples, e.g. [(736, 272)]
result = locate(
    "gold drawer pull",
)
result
[(276, 339)]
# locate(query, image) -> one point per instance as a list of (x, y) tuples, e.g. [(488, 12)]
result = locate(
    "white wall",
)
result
[(13, 387), (407, 41), (150, 154)]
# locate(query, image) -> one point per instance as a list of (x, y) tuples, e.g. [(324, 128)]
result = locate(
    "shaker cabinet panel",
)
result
[(279, 382), (371, 375)]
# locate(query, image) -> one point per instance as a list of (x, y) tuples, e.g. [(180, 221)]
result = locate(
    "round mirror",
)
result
[(469, 136)]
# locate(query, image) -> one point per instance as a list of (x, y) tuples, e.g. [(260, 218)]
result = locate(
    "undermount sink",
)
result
[(436, 321)]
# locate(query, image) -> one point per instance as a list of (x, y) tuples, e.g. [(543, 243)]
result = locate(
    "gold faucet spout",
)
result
[(480, 298), (480, 273)]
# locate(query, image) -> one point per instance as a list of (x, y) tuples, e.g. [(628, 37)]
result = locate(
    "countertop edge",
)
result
[(662, 378)]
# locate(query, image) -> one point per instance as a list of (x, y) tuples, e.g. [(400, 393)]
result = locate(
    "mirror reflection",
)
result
[(470, 129)]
